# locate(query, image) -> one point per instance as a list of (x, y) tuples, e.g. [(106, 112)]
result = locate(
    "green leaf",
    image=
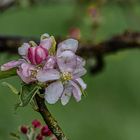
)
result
[(14, 136), (27, 93), (11, 87), (52, 50), (8, 73), (83, 92)]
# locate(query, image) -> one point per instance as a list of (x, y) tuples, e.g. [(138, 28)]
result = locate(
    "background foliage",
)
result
[(111, 111)]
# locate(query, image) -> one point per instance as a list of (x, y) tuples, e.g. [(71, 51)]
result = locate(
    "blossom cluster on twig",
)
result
[(57, 71), (36, 131)]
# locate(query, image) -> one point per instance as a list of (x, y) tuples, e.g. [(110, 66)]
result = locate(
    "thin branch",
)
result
[(127, 40), (48, 118), (4, 5)]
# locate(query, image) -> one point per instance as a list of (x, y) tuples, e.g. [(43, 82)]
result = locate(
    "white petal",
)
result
[(23, 50), (81, 83), (46, 43), (53, 92), (27, 80), (46, 35), (68, 45), (66, 94), (80, 61), (76, 91), (79, 72), (48, 75), (67, 61), (11, 64), (50, 63)]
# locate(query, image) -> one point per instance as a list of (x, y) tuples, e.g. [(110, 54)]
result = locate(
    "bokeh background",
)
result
[(111, 109)]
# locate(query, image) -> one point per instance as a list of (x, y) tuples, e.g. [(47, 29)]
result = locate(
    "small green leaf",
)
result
[(27, 93), (7, 74), (44, 36), (52, 50), (11, 87), (34, 104), (14, 136), (83, 92)]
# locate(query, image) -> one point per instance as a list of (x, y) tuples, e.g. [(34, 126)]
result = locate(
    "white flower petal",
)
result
[(23, 50), (81, 83), (11, 64), (27, 80), (48, 75), (76, 91), (80, 61), (67, 61), (67, 45), (79, 72), (50, 63), (53, 92), (46, 43), (66, 94)]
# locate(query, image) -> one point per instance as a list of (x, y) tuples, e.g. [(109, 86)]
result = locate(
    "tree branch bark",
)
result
[(49, 119), (127, 40)]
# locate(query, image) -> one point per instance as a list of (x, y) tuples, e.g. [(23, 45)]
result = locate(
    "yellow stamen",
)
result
[(66, 76), (33, 73)]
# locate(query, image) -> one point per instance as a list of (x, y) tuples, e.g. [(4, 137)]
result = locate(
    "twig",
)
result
[(48, 118), (127, 40), (4, 5)]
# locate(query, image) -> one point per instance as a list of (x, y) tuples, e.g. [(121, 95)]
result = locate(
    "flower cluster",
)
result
[(58, 71), (35, 132)]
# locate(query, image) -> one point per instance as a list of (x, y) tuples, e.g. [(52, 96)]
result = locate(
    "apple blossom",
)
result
[(59, 71)]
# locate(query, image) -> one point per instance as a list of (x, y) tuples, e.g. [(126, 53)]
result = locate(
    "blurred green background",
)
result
[(111, 110)]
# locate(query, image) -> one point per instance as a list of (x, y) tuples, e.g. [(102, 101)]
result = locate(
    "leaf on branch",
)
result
[(11, 87), (8, 73), (26, 95), (53, 48), (14, 136)]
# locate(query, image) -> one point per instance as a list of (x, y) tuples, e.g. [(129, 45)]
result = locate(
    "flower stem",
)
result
[(49, 119)]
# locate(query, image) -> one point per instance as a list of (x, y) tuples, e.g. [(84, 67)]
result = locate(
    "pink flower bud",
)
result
[(45, 131), (36, 123), (37, 54), (24, 129), (39, 137)]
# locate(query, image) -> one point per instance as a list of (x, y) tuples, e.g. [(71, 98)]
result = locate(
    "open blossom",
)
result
[(67, 76), (60, 70)]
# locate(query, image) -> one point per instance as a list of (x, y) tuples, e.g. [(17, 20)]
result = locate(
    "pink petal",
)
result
[(66, 94), (11, 64), (67, 45), (46, 43), (81, 83), (53, 92), (23, 50), (26, 69), (79, 72), (48, 75), (80, 61), (27, 80), (76, 91), (67, 61), (31, 55), (50, 63)]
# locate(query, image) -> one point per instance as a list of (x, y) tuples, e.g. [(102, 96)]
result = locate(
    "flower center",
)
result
[(33, 73), (66, 76)]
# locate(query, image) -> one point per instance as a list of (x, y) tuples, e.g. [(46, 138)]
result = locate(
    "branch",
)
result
[(127, 40), (4, 5), (48, 118)]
